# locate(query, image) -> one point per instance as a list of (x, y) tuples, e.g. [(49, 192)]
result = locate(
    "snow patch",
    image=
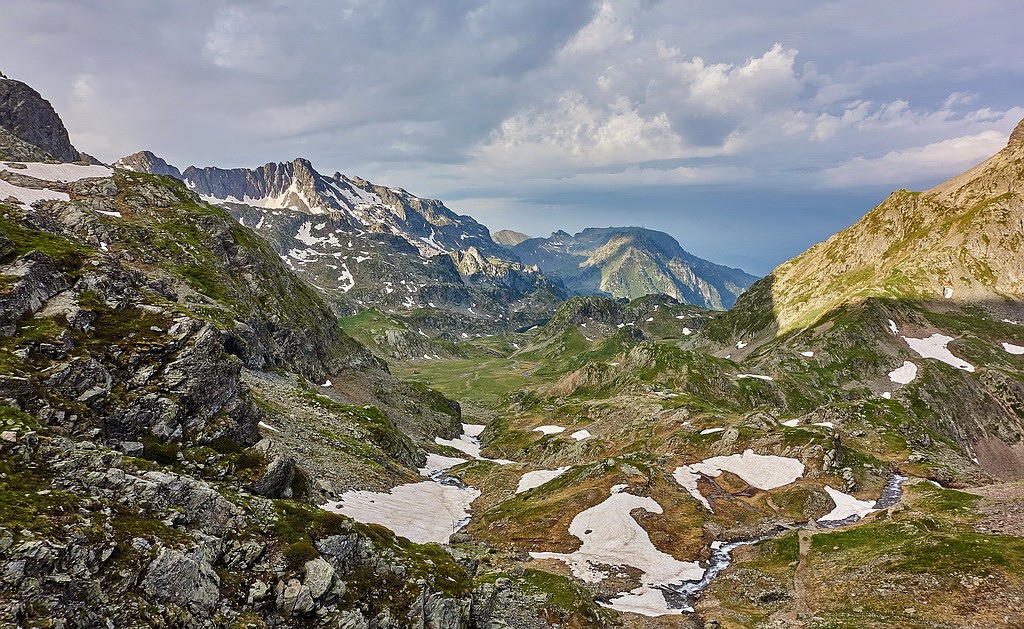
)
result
[(473, 430), (807, 354), (439, 462), (422, 512), (754, 375), (28, 196), (758, 470), (1013, 349), (846, 506), (580, 435), (935, 347), (549, 430), (306, 237), (268, 426), (904, 374), (57, 172), (612, 537), (537, 478), (345, 280)]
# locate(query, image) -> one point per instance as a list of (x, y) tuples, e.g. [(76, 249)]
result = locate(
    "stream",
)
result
[(684, 595)]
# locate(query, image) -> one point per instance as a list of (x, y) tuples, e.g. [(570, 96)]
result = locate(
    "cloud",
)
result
[(608, 29), (489, 99), (921, 163), (575, 132)]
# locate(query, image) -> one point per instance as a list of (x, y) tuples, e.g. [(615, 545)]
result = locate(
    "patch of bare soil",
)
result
[(1003, 507)]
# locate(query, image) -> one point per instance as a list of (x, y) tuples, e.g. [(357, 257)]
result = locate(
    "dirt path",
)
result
[(800, 607)]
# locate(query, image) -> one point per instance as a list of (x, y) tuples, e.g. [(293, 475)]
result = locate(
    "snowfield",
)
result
[(28, 196), (611, 537), (757, 470), (549, 430), (57, 172), (469, 444), (846, 506), (439, 462)]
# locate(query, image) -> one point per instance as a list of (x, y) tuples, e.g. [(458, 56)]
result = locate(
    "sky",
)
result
[(747, 130)]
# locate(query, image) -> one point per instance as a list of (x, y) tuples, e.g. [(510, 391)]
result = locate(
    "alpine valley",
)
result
[(269, 397)]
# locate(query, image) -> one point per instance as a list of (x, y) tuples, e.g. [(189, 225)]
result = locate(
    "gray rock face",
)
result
[(294, 598), (30, 117), (185, 579), (508, 238), (35, 280), (319, 577), (277, 481), (15, 149)]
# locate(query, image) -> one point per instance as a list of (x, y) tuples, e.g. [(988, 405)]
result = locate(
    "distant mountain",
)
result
[(370, 245), (632, 262), (509, 238)]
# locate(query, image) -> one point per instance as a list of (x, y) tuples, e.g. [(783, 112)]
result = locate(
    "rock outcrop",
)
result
[(30, 117)]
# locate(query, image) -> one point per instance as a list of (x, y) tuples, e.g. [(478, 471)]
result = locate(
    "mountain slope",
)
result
[(918, 302), (632, 262), (961, 240), (509, 238), (30, 117), (366, 245), (169, 416)]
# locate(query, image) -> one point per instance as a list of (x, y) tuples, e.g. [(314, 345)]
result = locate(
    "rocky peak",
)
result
[(1017, 137), (30, 117), (508, 238), (147, 162)]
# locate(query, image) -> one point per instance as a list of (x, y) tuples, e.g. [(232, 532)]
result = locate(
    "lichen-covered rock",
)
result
[(276, 482), (294, 598), (184, 579), (32, 280)]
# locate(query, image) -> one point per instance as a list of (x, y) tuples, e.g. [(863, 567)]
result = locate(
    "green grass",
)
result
[(485, 381)]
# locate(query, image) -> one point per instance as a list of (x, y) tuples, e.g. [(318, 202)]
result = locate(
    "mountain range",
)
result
[(270, 398), (347, 233)]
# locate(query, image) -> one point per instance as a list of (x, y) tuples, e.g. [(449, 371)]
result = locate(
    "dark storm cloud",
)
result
[(750, 130)]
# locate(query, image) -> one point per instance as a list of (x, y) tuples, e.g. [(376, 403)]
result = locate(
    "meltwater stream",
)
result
[(684, 595)]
